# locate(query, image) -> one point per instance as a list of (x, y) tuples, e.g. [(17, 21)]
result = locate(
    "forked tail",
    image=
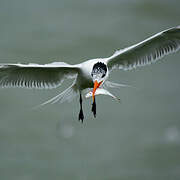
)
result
[(67, 95), (116, 85)]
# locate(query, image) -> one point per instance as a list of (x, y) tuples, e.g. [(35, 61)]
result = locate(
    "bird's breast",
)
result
[(84, 80)]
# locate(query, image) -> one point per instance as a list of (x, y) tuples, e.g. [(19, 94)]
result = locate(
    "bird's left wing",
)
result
[(147, 51), (35, 75)]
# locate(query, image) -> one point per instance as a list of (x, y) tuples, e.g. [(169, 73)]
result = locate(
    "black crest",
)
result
[(99, 68)]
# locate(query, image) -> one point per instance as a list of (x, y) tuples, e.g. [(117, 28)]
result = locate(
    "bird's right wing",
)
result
[(35, 75)]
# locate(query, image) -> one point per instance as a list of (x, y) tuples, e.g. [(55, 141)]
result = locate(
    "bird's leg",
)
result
[(81, 115), (94, 107)]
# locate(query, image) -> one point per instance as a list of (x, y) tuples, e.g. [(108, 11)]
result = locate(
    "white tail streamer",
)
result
[(67, 95), (116, 85)]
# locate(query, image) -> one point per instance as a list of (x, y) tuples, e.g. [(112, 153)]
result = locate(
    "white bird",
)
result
[(92, 73)]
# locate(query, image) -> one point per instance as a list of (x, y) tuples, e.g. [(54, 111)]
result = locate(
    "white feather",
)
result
[(67, 95), (35, 75), (147, 51)]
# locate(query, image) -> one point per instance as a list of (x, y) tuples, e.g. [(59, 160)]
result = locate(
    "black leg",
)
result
[(94, 107), (81, 115)]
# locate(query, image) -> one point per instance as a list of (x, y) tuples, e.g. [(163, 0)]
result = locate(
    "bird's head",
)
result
[(99, 73)]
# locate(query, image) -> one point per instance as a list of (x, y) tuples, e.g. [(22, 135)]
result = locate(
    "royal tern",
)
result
[(91, 74)]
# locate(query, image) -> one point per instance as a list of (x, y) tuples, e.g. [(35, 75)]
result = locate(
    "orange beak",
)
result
[(96, 85)]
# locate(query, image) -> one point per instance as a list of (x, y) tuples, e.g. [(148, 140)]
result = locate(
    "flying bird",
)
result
[(90, 75)]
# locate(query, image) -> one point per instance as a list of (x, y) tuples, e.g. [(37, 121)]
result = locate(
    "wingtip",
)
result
[(172, 30), (2, 65)]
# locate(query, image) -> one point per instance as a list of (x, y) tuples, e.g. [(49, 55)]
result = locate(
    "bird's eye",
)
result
[(103, 75)]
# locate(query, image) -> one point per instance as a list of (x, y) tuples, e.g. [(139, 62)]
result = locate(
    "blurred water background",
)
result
[(137, 139)]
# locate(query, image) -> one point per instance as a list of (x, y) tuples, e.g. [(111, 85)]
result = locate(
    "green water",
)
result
[(136, 139)]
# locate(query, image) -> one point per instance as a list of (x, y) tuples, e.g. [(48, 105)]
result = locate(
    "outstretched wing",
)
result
[(147, 51), (35, 75)]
